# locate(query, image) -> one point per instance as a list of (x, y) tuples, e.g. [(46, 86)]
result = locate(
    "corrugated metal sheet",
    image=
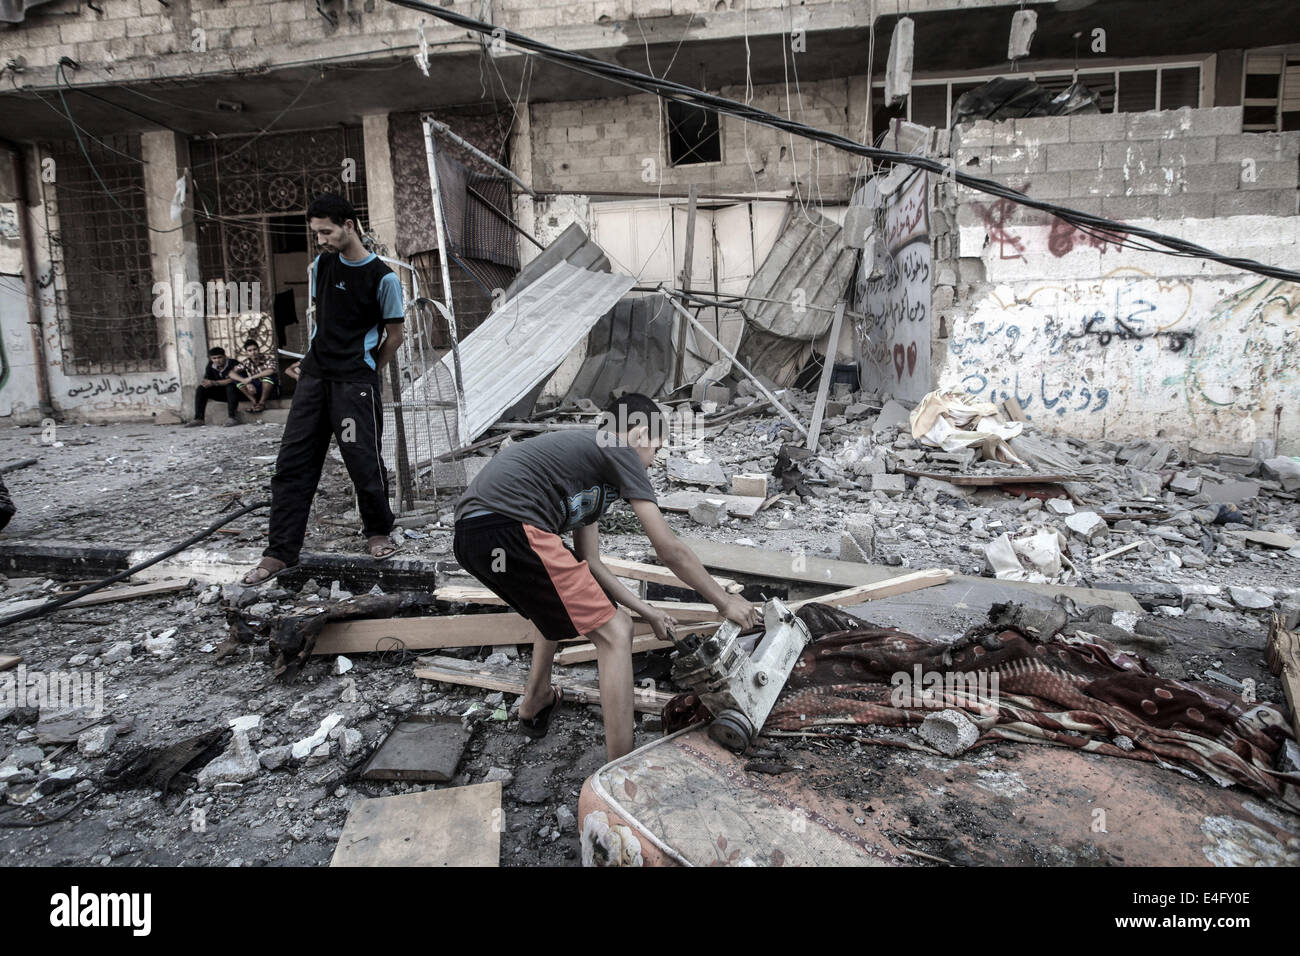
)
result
[(524, 340), (809, 265)]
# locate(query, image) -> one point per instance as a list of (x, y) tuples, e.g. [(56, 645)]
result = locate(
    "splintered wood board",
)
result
[(583, 653), (655, 574), (460, 826), (424, 633), (902, 584), (508, 680), (682, 610)]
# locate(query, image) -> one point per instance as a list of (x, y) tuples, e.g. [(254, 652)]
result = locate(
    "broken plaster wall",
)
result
[(161, 393), (1098, 340)]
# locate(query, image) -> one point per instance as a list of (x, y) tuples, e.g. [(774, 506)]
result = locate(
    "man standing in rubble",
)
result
[(508, 527), (358, 304)]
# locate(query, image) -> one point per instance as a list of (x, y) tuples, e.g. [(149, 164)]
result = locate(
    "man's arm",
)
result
[(394, 334), (683, 563)]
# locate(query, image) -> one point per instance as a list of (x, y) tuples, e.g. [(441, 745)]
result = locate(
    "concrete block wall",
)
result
[(143, 39), (1182, 164), (620, 144), (1101, 340)]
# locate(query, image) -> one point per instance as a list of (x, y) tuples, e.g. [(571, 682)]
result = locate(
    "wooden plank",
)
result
[(8, 661), (582, 653), (424, 633), (152, 589), (828, 369), (777, 566), (902, 584), (1014, 411), (657, 574), (1115, 552), (985, 481), (1284, 661), (459, 826), (682, 610), (686, 500), (510, 681)]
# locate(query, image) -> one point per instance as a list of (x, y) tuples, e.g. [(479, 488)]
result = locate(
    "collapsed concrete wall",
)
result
[(1097, 339)]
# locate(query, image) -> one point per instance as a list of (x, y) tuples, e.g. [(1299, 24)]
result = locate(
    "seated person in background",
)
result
[(218, 382), (256, 375), (291, 371)]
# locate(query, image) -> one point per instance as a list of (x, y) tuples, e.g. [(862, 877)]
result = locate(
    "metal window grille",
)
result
[(100, 255)]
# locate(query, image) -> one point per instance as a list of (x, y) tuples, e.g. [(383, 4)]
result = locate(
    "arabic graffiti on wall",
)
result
[(1130, 353), (120, 388), (897, 351)]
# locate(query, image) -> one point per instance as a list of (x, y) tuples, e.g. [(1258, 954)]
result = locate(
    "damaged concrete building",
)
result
[(1060, 414)]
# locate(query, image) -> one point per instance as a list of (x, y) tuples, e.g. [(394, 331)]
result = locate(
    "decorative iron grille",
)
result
[(243, 185), (99, 250)]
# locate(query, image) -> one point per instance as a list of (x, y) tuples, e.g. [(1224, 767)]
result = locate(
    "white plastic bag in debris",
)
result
[(946, 420), (857, 456), (1039, 557)]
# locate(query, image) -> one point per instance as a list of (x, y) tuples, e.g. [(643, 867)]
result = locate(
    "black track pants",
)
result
[(353, 413)]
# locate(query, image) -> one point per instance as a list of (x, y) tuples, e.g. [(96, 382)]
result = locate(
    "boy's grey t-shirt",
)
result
[(558, 481)]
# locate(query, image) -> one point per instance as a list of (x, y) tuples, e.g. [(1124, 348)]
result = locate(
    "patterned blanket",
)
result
[(1021, 679)]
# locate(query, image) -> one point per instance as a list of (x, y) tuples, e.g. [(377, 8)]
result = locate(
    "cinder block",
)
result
[(1068, 156), (1129, 208), (1270, 175), (1264, 202), (1256, 146), (1218, 178), (1183, 151), (1217, 121), (1186, 206), (583, 134), (1050, 186), (1096, 182), (984, 133), (617, 163), (76, 32), (1123, 154), (1013, 159), (1152, 181), (752, 486), (144, 26), (1097, 127), (252, 16), (1152, 125), (1042, 130)]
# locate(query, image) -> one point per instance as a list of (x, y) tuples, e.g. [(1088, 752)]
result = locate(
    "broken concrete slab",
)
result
[(1285, 471), (1185, 484), (303, 747), (1249, 599), (686, 500), (460, 826), (1088, 525), (1230, 492), (749, 486), (708, 473), (890, 484), (893, 415), (426, 749), (97, 741), (709, 512)]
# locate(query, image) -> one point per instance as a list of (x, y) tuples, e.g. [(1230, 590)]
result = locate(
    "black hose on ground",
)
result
[(48, 606)]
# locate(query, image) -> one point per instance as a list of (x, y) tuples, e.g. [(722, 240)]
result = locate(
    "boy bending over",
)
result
[(508, 527)]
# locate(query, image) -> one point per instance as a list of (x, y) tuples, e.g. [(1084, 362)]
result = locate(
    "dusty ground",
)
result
[(151, 486)]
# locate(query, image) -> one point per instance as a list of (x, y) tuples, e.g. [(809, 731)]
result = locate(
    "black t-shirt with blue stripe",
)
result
[(354, 301)]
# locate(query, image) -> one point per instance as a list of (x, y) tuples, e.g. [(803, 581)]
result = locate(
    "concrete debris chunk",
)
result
[(117, 652), (1060, 506), (689, 472), (160, 646), (305, 746), (709, 512), (1185, 484), (1088, 525), (889, 484), (749, 486), (237, 764), (1285, 471), (1249, 599), (950, 732), (96, 741)]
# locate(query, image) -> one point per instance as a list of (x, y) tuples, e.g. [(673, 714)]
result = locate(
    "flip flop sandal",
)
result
[(383, 557), (537, 725), (270, 577)]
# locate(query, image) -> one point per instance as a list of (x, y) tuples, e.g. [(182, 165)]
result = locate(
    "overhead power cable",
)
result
[(680, 92)]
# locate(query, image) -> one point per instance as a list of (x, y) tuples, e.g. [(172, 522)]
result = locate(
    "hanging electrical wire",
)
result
[(667, 89)]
